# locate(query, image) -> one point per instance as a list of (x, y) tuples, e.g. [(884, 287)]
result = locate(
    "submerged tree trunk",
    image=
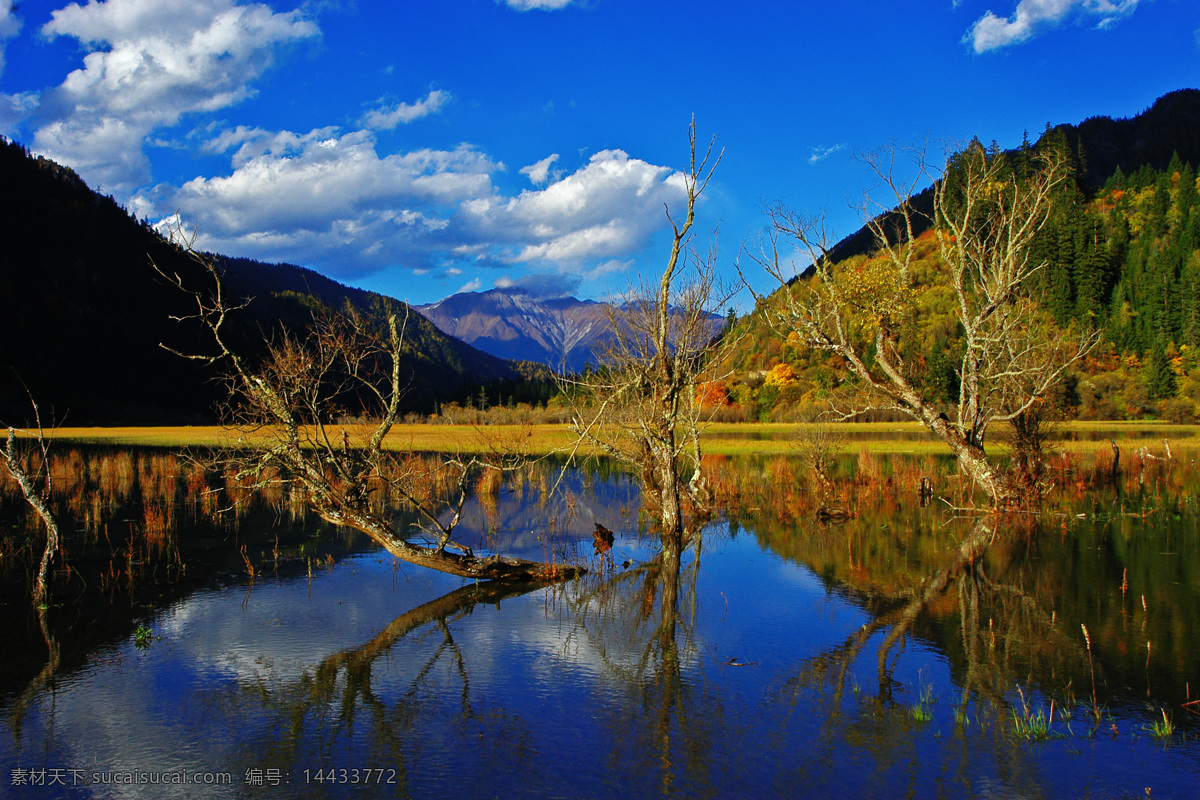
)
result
[(41, 583), (970, 455), (466, 565), (973, 462)]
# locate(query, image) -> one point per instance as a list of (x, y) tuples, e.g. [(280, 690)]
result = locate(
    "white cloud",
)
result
[(539, 173), (819, 154), (255, 142), (471, 286), (330, 201), (10, 25), (150, 62), (404, 113), (607, 208), (321, 199), (543, 5), (541, 284), (1031, 17)]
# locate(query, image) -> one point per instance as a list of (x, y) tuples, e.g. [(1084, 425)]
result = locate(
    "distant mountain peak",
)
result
[(514, 323)]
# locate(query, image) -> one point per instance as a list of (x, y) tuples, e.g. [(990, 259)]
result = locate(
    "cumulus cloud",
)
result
[(471, 286), (15, 108), (543, 5), (324, 199), (255, 142), (329, 200), (539, 173), (150, 62), (607, 208), (819, 154), (385, 119), (1031, 17)]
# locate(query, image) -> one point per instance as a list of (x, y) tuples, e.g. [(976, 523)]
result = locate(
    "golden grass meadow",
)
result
[(718, 438)]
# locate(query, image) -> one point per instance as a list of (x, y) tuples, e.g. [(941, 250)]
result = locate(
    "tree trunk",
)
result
[(670, 510), (972, 460), (41, 587), (466, 565)]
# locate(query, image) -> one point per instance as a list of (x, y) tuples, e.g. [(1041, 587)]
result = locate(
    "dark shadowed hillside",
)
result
[(82, 313)]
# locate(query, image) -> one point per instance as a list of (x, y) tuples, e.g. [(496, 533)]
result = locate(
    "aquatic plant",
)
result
[(1033, 726), (923, 710), (142, 637), (1161, 730)]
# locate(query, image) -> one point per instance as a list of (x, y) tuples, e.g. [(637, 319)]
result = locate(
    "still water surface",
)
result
[(791, 663)]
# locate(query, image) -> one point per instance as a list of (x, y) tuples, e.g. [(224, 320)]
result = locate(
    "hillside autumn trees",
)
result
[(985, 217)]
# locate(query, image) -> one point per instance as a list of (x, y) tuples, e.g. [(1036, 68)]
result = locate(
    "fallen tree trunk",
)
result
[(465, 564)]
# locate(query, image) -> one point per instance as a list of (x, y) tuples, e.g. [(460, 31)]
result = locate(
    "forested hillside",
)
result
[(1120, 253)]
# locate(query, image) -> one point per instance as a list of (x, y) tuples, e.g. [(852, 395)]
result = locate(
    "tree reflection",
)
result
[(43, 679), (665, 723), (880, 723), (322, 716)]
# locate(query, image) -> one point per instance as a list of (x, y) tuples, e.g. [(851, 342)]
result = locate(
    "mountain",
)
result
[(563, 333), (82, 313), (1119, 252)]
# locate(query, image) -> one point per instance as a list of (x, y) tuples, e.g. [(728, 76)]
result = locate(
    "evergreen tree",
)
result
[(1189, 323), (1160, 206), (1186, 196), (1115, 181), (1060, 285), (1093, 277), (942, 382), (1159, 377)]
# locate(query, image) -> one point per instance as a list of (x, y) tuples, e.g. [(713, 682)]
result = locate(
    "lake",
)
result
[(908, 651)]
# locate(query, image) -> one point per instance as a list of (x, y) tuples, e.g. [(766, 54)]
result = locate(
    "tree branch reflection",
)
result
[(323, 708)]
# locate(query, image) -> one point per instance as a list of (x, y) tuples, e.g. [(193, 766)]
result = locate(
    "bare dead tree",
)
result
[(289, 401), (641, 407), (36, 487), (984, 221)]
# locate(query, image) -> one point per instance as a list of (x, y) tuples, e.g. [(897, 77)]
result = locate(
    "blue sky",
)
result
[(423, 148)]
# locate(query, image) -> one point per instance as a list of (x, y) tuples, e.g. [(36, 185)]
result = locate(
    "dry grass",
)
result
[(719, 439)]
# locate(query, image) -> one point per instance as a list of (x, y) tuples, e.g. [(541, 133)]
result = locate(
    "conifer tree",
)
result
[(1160, 379)]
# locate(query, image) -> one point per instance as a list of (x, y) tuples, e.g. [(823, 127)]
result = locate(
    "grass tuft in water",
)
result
[(1035, 727), (923, 710), (1162, 730), (1027, 724)]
